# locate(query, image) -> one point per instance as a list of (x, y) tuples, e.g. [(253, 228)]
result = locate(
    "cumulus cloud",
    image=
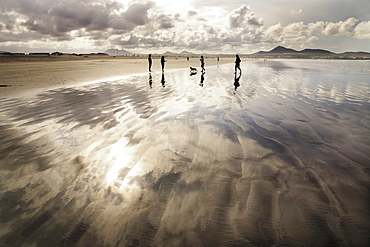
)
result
[(254, 21), (237, 16), (58, 18), (340, 28), (315, 27), (142, 24), (131, 41), (362, 30), (8, 21), (296, 11), (165, 22), (312, 39), (293, 29), (137, 13), (192, 13), (67, 17), (273, 34)]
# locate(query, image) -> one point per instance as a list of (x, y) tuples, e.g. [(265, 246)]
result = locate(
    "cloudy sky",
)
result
[(214, 26)]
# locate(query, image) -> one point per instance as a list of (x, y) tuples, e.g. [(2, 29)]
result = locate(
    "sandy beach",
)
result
[(275, 156), (24, 76)]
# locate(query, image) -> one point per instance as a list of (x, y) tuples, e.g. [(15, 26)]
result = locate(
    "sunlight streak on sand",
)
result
[(197, 162)]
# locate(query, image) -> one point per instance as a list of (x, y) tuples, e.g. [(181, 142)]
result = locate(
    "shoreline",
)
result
[(20, 78)]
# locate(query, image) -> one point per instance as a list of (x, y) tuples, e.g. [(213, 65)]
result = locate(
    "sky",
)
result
[(199, 26)]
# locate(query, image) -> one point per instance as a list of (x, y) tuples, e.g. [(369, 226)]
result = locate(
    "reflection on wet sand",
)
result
[(202, 79), (150, 80), (283, 162), (163, 80), (236, 80)]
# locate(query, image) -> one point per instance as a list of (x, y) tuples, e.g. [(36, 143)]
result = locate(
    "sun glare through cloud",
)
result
[(200, 26)]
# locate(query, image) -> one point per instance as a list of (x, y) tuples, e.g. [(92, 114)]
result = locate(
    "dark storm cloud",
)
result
[(10, 25), (8, 36), (138, 13), (132, 41), (165, 22), (58, 18), (78, 15), (26, 7), (135, 15), (8, 21), (198, 24)]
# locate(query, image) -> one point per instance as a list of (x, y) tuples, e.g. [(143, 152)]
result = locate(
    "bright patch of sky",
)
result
[(233, 26)]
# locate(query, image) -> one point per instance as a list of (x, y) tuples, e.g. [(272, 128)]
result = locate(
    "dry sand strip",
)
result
[(20, 78)]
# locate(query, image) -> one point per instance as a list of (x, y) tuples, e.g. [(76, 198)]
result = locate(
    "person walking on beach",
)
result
[(202, 63), (237, 64), (150, 62), (162, 62)]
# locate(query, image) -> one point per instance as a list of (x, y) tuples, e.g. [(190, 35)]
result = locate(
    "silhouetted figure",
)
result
[(193, 71), (202, 80), (187, 58), (236, 81), (150, 62), (162, 62), (218, 59), (150, 80), (163, 80), (237, 64), (202, 63)]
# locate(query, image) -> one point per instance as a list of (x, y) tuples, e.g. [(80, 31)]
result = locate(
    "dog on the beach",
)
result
[(193, 71)]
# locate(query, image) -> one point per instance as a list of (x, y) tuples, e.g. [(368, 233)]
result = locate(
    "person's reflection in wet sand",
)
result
[(163, 80), (236, 81), (202, 79), (150, 80)]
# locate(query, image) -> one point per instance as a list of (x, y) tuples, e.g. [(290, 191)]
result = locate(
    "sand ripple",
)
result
[(281, 161)]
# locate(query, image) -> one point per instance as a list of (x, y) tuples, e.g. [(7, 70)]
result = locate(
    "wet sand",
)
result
[(283, 160), (31, 75)]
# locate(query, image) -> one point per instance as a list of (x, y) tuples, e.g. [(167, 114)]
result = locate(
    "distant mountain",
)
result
[(280, 50), (277, 50), (114, 52), (168, 53), (359, 53), (186, 53), (316, 51)]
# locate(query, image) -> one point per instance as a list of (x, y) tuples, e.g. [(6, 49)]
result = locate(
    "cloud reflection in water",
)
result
[(121, 163)]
